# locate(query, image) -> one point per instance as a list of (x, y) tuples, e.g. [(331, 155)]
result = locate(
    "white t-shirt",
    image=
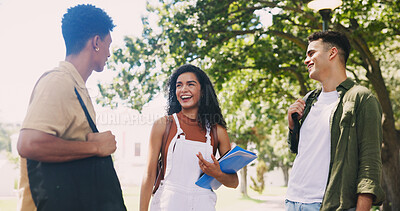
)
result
[(309, 174)]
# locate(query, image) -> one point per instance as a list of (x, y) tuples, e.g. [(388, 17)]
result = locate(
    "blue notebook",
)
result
[(230, 163)]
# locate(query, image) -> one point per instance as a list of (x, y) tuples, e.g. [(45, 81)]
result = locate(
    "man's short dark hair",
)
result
[(81, 23), (334, 39)]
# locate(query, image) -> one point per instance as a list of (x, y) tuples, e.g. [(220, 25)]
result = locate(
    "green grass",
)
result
[(228, 199), (232, 199), (131, 197)]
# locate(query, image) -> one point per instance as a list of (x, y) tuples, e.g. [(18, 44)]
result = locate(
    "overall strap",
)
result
[(91, 123), (210, 129), (179, 130)]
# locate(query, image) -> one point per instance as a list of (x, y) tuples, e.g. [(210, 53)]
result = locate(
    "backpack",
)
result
[(90, 183), (294, 141)]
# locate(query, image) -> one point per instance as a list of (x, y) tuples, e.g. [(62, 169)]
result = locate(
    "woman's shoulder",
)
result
[(220, 128), (163, 120), (160, 124), (221, 131)]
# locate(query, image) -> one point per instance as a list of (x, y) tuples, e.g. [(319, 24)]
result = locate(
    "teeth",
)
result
[(185, 97)]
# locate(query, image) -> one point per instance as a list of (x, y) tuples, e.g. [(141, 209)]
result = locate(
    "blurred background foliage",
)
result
[(257, 65)]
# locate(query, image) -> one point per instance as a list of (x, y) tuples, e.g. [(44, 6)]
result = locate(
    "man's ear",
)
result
[(333, 53), (95, 42)]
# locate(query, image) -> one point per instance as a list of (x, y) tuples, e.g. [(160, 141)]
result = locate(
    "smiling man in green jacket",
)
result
[(338, 140)]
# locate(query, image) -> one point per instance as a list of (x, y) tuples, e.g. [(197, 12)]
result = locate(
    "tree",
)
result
[(5, 140), (241, 124), (258, 183), (264, 64)]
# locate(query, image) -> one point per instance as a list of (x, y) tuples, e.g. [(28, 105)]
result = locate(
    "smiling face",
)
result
[(188, 90), (317, 60)]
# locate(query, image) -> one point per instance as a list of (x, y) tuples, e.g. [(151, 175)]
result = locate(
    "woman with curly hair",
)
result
[(190, 146)]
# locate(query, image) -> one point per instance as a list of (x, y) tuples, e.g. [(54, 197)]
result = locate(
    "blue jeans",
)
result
[(298, 206)]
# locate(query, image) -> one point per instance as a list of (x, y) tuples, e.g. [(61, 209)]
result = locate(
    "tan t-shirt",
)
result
[(54, 109)]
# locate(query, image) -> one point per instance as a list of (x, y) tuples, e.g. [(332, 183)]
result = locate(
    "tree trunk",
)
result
[(386, 205), (243, 182), (391, 172), (391, 139), (390, 148), (285, 170)]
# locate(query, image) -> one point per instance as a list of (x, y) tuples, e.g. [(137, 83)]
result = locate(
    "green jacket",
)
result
[(356, 138)]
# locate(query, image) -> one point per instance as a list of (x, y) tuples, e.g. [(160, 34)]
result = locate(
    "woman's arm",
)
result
[(150, 175), (213, 169)]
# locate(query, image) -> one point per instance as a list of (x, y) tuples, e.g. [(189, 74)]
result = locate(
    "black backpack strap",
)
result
[(91, 123), (308, 98), (294, 143)]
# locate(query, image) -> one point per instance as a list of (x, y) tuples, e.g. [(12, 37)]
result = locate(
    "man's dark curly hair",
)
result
[(81, 23), (209, 110), (333, 39)]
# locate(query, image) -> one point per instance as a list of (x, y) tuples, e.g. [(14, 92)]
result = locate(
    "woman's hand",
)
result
[(211, 169)]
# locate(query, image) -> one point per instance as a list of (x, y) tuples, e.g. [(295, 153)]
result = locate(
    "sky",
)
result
[(31, 43)]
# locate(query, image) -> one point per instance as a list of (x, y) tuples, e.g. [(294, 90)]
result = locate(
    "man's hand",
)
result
[(297, 107), (364, 202), (105, 143)]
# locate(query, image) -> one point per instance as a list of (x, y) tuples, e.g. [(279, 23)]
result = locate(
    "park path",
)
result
[(271, 203)]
